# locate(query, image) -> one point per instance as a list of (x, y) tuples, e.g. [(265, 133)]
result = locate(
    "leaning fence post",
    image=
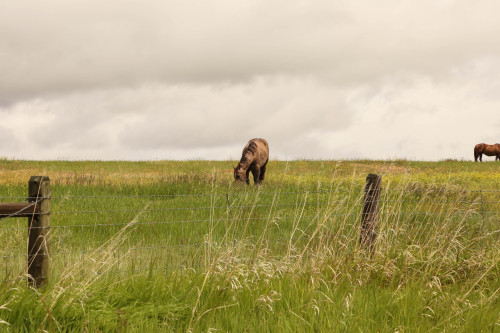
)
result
[(369, 217), (38, 231)]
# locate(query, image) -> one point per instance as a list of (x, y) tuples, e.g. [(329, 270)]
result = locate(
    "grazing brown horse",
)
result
[(253, 159), (488, 150)]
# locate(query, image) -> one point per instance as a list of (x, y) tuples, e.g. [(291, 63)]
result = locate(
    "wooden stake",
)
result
[(369, 217), (38, 231)]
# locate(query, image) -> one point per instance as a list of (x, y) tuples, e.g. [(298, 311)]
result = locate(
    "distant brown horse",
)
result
[(253, 159), (488, 150)]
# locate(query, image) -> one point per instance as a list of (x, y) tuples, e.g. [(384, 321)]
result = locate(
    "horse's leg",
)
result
[(475, 155), (481, 157), (256, 176), (248, 177)]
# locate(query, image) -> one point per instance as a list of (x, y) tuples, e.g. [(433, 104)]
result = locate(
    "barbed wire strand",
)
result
[(358, 190), (277, 218)]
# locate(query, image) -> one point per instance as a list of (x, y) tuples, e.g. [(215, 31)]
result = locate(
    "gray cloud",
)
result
[(278, 110), (89, 44)]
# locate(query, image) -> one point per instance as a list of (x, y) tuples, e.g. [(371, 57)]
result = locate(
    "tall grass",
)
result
[(192, 252)]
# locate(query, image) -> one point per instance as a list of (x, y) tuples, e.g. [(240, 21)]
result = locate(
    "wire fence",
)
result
[(163, 232)]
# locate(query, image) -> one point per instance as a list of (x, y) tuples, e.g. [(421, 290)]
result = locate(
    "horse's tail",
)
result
[(476, 153)]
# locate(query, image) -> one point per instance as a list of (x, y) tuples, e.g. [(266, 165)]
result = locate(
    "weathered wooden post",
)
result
[(38, 231), (369, 217)]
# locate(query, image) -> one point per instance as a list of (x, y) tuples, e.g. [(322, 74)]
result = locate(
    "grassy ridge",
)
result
[(470, 174), (176, 246)]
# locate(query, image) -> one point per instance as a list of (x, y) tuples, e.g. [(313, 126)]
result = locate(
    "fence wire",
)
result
[(153, 196), (176, 230)]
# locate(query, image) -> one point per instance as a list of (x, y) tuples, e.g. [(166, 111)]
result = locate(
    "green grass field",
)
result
[(177, 246)]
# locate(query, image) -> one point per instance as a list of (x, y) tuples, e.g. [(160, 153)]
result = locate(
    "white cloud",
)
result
[(427, 120)]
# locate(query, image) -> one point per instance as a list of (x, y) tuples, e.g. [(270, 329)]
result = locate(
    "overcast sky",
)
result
[(183, 79)]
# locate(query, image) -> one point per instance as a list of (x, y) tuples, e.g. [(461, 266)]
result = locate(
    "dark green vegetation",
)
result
[(176, 246)]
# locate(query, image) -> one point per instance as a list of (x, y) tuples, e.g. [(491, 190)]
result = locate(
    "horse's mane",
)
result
[(251, 148)]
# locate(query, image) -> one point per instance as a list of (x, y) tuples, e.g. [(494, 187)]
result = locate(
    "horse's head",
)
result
[(240, 175)]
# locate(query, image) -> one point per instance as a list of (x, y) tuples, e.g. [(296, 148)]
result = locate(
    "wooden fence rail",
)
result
[(18, 209)]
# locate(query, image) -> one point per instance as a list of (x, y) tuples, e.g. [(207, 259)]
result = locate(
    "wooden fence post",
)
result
[(38, 231), (369, 217)]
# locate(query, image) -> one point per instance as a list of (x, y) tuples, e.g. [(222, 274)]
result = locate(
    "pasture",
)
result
[(178, 246)]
